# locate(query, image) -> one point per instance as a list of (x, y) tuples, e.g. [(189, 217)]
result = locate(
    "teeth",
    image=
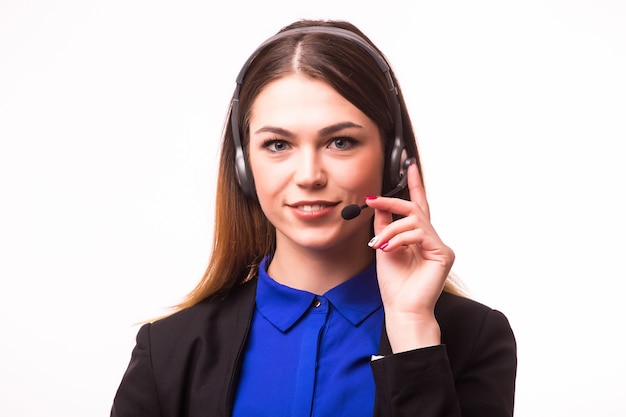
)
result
[(313, 207)]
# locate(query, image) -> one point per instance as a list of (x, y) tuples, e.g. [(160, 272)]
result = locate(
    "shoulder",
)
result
[(213, 314), (469, 327), (461, 315), (452, 307), (195, 347)]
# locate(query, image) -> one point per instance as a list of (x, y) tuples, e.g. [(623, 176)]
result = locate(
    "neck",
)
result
[(318, 271)]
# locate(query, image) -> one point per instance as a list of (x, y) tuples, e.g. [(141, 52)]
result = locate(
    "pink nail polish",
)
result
[(383, 246), (371, 197)]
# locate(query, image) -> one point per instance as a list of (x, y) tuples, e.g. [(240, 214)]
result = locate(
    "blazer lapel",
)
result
[(234, 326)]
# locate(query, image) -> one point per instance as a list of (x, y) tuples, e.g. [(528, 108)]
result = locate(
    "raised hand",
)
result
[(412, 265)]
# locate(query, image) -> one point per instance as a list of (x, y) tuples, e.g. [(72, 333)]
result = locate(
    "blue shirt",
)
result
[(309, 355)]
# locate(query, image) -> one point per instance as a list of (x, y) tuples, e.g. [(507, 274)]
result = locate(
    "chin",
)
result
[(323, 240)]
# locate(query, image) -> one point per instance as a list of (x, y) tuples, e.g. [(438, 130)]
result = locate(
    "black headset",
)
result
[(396, 167)]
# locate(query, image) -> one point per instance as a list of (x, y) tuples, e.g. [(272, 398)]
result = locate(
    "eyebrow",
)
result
[(328, 130)]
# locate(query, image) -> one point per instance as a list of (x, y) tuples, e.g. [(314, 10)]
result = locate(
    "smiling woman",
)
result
[(311, 153), (301, 312)]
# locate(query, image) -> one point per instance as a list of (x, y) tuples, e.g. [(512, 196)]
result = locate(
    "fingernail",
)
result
[(383, 246), (372, 241), (371, 197)]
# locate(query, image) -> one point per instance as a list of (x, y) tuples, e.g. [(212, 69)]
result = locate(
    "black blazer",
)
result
[(186, 365)]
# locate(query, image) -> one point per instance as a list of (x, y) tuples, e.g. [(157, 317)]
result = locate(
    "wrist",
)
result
[(409, 331)]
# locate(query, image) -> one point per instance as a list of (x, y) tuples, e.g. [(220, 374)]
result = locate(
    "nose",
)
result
[(309, 172)]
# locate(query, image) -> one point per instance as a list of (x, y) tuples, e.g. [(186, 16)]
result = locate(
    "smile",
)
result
[(312, 207), (312, 210)]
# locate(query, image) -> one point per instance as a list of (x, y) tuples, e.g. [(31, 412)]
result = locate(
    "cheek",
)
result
[(269, 179), (261, 176), (367, 174), (265, 189)]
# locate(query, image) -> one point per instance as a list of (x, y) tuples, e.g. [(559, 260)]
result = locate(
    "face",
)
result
[(312, 153)]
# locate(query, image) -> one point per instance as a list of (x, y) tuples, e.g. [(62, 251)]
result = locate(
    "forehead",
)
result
[(300, 100)]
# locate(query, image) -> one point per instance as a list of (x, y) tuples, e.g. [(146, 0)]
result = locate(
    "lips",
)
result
[(312, 205), (310, 210)]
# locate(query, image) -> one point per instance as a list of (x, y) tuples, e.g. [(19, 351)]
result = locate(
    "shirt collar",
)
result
[(283, 306)]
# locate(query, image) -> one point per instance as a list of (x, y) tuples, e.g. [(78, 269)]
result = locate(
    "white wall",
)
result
[(110, 112)]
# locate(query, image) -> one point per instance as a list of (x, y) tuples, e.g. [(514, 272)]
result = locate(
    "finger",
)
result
[(417, 192), (423, 239), (394, 205), (406, 231), (382, 219)]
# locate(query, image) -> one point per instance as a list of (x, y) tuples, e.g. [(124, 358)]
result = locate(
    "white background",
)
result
[(110, 115)]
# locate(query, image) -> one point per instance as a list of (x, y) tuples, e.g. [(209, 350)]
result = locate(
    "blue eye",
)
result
[(276, 145), (342, 143)]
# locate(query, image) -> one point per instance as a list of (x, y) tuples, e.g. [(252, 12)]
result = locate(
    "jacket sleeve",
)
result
[(421, 383), (137, 393)]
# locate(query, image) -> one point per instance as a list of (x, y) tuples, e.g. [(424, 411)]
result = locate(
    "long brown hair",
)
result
[(242, 233)]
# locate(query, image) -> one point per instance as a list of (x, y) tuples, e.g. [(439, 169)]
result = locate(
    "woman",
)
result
[(322, 297)]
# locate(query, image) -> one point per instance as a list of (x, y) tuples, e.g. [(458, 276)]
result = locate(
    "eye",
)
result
[(342, 143), (276, 145)]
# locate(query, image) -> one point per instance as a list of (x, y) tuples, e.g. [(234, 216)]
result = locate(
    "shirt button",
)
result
[(317, 303)]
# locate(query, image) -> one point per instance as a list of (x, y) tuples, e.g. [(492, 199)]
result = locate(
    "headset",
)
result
[(396, 165)]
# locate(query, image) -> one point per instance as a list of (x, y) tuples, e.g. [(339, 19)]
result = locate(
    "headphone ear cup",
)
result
[(242, 169), (244, 177), (397, 158), (404, 164)]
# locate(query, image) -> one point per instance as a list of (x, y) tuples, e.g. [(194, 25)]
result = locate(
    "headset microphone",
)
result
[(353, 210)]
